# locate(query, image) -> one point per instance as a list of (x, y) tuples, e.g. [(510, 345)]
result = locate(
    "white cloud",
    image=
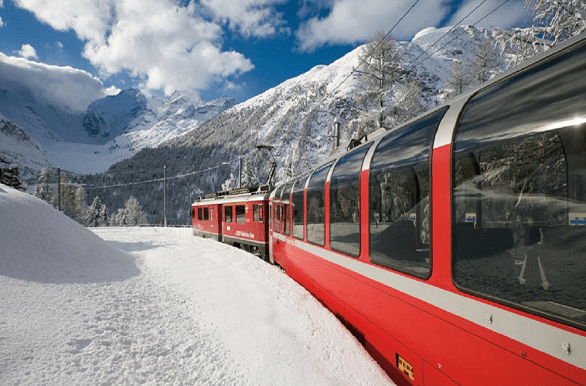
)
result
[(353, 22), (511, 14), (257, 18), (64, 85), (168, 47), (1, 22), (27, 51)]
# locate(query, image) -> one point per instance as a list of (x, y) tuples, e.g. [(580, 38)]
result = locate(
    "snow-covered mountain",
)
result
[(296, 117), (111, 129)]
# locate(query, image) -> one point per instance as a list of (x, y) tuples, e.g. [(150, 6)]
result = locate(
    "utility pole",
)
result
[(165, 196), (240, 172), (59, 189)]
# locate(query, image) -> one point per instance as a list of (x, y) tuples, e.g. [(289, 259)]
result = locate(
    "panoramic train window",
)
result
[(298, 207), (345, 203), (285, 204), (278, 209), (228, 210), (520, 191), (240, 214), (316, 206), (399, 189)]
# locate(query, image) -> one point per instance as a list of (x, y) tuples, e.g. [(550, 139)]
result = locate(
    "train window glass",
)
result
[(286, 222), (519, 177), (285, 202), (345, 203), (240, 214), (260, 213), (278, 209), (316, 206), (228, 211), (206, 214), (298, 208), (255, 213), (399, 188), (199, 214), (211, 214), (270, 216)]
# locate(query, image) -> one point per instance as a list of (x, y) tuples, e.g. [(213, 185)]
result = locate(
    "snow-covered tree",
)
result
[(380, 68), (230, 183), (134, 214), (460, 79), (484, 61), (553, 22), (42, 190), (408, 104), (9, 175), (97, 214)]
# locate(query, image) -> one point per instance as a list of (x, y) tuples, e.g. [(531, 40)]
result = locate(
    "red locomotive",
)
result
[(454, 247), (239, 220)]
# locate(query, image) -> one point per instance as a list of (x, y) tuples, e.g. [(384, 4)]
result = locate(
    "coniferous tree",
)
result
[(9, 175), (43, 190), (97, 214)]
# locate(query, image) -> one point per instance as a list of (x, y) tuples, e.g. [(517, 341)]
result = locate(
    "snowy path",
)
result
[(156, 306)]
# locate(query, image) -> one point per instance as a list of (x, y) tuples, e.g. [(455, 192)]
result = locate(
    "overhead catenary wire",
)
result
[(92, 187)]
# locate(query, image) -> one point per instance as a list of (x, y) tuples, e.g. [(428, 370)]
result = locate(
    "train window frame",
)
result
[(255, 213), (351, 162), (199, 213), (228, 214), (542, 240), (240, 214), (415, 257), (298, 210), (206, 213), (315, 187)]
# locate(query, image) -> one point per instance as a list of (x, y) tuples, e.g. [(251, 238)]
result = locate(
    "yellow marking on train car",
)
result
[(405, 367)]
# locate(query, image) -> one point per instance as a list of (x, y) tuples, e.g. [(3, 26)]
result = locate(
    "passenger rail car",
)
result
[(454, 247), (237, 218)]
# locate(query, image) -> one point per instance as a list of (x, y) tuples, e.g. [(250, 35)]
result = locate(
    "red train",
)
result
[(454, 247)]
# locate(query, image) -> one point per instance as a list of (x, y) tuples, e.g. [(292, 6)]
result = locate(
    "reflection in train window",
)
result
[(277, 209), (240, 214), (286, 226), (298, 208), (345, 203), (399, 189), (316, 206), (228, 211), (519, 194)]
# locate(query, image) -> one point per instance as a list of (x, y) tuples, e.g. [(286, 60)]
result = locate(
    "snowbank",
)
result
[(43, 245)]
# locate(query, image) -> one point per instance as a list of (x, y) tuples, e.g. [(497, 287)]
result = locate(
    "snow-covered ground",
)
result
[(156, 306)]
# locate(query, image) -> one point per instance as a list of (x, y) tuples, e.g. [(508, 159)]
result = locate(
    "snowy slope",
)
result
[(19, 148), (156, 306)]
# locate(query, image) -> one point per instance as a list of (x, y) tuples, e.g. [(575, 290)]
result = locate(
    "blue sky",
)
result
[(238, 48)]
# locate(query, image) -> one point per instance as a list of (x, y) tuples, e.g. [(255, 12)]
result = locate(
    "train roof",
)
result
[(253, 193)]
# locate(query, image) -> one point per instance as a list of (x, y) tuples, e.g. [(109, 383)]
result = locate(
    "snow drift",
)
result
[(43, 245)]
